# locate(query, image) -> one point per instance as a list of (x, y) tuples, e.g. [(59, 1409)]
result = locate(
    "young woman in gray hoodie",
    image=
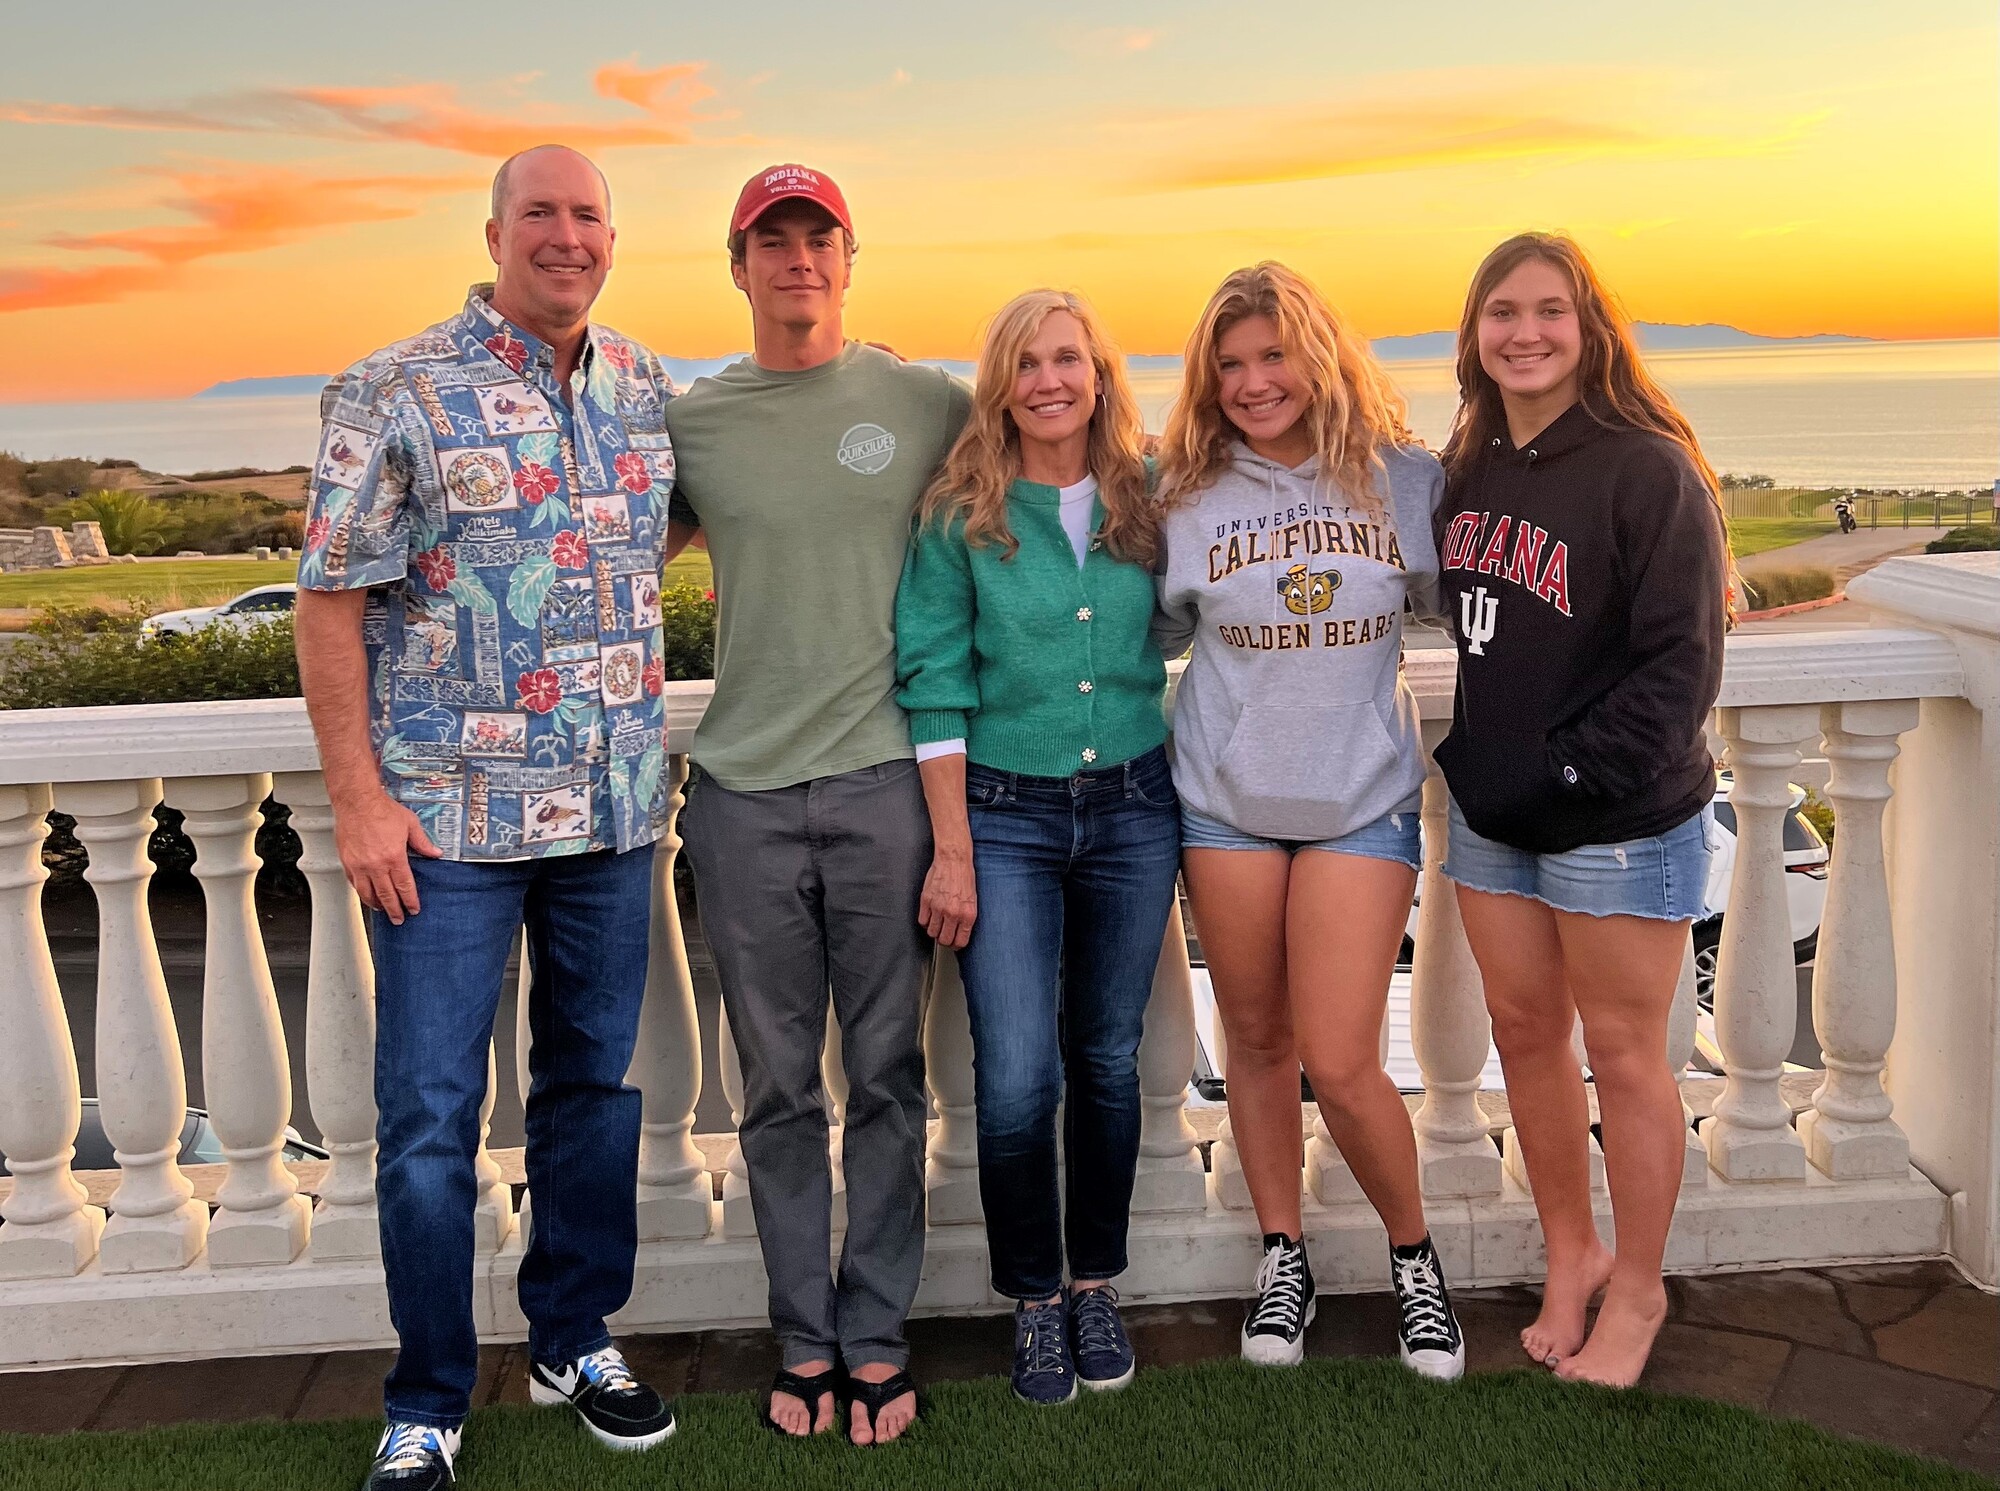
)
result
[(1298, 529)]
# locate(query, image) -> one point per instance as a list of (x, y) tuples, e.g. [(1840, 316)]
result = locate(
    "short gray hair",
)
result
[(503, 178)]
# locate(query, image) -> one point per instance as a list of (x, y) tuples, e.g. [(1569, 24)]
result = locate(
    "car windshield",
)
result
[(1799, 832), (263, 600)]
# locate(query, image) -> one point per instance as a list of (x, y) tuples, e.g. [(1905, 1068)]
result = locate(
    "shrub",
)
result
[(61, 667), (57, 478), (276, 533), (132, 524), (1770, 589), (221, 522), (1818, 812), (687, 632), (1972, 538)]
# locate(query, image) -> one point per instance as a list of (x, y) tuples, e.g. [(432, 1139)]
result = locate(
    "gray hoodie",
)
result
[(1293, 720)]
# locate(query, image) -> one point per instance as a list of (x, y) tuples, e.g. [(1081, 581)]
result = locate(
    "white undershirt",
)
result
[(1077, 505)]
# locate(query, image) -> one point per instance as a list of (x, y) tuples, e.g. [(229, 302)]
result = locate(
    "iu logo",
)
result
[(1477, 614)]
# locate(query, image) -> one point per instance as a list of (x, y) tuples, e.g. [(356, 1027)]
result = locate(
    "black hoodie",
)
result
[(1585, 576)]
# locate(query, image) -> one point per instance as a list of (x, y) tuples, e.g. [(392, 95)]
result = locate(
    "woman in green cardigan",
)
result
[(1034, 692)]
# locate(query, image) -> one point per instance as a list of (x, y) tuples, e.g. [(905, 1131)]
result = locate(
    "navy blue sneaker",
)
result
[(1044, 1374), (1098, 1341), (413, 1457)]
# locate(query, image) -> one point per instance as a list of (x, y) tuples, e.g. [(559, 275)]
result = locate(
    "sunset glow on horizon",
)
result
[(229, 191)]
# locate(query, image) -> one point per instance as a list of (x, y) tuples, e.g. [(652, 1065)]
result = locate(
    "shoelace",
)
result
[(607, 1369), (1097, 1320), (1281, 1281), (1043, 1324), (411, 1447), (1421, 1293)]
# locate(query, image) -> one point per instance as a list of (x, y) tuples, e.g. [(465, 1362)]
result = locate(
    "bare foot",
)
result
[(1557, 1332), (1622, 1337), (891, 1420), (793, 1416)]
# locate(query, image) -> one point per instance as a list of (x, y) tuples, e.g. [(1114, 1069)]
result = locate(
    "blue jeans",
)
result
[(1076, 881), (437, 985)]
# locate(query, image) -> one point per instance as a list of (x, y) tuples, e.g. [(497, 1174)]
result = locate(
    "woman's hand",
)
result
[(950, 902)]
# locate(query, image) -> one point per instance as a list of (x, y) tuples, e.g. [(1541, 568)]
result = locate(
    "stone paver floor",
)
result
[(1903, 1354)]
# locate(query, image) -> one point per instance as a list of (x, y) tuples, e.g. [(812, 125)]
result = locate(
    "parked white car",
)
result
[(252, 608)]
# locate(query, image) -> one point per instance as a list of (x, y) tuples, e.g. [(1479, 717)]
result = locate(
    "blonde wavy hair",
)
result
[(1353, 409), (986, 459)]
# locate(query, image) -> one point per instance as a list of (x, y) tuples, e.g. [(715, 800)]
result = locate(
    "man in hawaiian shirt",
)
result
[(479, 640)]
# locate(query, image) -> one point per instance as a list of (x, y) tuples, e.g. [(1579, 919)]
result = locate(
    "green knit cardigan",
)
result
[(1043, 666)]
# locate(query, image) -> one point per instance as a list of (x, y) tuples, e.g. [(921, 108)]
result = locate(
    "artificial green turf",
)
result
[(1327, 1426)]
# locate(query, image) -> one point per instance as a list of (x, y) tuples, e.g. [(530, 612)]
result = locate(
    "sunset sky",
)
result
[(217, 190)]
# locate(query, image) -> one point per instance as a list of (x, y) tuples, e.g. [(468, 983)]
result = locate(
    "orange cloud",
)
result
[(418, 113), (234, 213), (1457, 118)]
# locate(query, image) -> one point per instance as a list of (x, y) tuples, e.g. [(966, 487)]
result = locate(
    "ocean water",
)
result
[(1920, 415)]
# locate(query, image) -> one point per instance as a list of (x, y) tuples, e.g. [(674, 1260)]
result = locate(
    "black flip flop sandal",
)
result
[(876, 1396), (808, 1390)]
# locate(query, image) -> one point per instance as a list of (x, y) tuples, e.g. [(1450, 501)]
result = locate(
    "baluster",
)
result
[(493, 1211), (1225, 1162), (141, 1092), (260, 1215), (738, 1220), (1756, 988), (951, 1168), (524, 1041), (49, 1233), (1848, 1132), (674, 1196), (833, 1075), (1449, 1027), (340, 1030), (1680, 1051), (1169, 1177)]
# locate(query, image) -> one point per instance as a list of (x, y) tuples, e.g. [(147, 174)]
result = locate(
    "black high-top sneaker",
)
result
[(1274, 1332), (1432, 1344)]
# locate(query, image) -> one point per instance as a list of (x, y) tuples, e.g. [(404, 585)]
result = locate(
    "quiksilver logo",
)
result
[(866, 449)]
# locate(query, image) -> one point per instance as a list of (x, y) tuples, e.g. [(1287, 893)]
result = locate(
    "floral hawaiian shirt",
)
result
[(509, 538)]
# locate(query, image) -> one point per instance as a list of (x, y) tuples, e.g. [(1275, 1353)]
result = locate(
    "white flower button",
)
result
[(1084, 687), (1083, 613), (1088, 755)]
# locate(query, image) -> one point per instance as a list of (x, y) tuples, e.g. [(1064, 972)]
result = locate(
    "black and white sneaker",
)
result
[(413, 1457), (1432, 1344), (1274, 1332), (617, 1408)]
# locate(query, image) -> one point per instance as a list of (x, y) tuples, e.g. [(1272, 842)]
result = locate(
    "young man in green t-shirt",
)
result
[(801, 466)]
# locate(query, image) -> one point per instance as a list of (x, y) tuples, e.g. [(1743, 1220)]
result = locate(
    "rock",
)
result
[(190, 554), (124, 558), (86, 543), (284, 551), (260, 553), (48, 548)]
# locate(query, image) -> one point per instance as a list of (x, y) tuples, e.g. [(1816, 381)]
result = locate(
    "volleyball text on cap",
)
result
[(771, 186)]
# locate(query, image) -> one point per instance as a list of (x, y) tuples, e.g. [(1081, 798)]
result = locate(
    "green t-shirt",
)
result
[(805, 483)]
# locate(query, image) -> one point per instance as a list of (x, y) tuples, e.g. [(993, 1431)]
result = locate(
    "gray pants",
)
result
[(802, 888)]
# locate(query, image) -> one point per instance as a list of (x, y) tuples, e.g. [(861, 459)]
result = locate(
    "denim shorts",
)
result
[(1394, 836), (1664, 877)]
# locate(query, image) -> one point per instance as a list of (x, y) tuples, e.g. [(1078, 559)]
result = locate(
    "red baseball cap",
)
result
[(773, 185)]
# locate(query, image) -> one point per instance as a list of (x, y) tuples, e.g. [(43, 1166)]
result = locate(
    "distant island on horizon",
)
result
[(1654, 336)]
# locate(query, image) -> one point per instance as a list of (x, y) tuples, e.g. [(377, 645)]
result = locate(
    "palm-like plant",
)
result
[(131, 523)]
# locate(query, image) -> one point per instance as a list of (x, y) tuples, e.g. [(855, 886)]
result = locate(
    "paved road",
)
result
[(1842, 551)]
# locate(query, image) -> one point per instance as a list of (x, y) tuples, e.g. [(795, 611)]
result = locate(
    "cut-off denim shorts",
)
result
[(1396, 836), (1664, 877)]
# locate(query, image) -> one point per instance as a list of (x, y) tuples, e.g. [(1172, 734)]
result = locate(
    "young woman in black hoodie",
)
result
[(1586, 566)]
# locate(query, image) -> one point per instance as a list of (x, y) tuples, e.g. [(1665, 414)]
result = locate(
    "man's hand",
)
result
[(950, 902), (374, 837)]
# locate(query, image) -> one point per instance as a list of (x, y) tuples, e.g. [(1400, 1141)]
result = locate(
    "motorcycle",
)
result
[(1843, 509)]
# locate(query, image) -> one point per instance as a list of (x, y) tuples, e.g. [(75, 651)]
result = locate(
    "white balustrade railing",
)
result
[(1760, 1189)]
